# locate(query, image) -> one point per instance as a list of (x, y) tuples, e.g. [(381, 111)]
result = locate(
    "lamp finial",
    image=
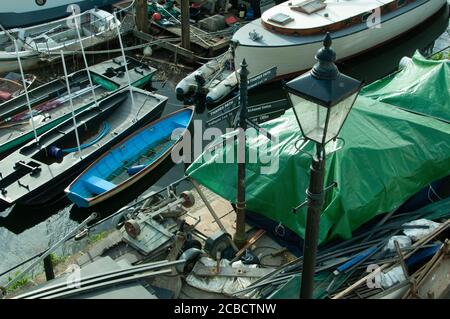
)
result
[(327, 41), (325, 67)]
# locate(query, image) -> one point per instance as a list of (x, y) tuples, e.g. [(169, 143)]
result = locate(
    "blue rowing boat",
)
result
[(130, 160)]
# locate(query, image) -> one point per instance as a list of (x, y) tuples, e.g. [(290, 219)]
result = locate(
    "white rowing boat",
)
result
[(96, 26)]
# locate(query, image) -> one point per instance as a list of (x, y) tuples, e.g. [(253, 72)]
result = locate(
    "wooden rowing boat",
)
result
[(130, 160)]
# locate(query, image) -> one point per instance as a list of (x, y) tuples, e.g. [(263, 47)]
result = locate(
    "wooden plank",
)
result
[(166, 45), (417, 245), (206, 42)]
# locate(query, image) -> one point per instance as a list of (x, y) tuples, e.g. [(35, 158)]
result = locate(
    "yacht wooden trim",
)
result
[(291, 27)]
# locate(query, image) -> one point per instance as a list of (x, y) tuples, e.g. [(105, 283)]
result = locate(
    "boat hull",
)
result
[(139, 72), (52, 179), (42, 46), (140, 75), (31, 60), (294, 54), (22, 13), (11, 65), (16, 140)]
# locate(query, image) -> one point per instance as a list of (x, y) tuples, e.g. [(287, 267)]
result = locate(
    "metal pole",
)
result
[(124, 59), (315, 200), (185, 25), (211, 210), (97, 278), (71, 104), (105, 284), (84, 56), (240, 236), (26, 92)]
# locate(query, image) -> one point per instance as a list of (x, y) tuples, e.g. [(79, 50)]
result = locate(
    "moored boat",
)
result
[(50, 106), (217, 79), (95, 26), (21, 13), (11, 85), (39, 171), (50, 102), (140, 73), (206, 72), (130, 160), (289, 34)]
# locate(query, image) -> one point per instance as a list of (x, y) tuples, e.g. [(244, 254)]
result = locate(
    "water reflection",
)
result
[(25, 231)]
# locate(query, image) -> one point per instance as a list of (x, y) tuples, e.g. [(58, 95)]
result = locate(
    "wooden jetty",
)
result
[(203, 40)]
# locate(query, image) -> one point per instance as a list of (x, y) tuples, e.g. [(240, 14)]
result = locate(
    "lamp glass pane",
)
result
[(311, 117), (338, 114)]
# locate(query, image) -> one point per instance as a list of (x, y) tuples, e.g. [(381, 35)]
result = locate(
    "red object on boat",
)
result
[(156, 16), (230, 20), (5, 96)]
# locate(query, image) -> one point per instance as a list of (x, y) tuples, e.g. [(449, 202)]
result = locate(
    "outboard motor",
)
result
[(55, 152)]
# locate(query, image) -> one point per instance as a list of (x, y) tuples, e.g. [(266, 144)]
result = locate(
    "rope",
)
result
[(119, 50), (437, 52), (103, 133), (434, 192), (126, 8)]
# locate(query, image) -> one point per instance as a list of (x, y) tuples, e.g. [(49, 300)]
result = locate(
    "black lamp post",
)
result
[(322, 99)]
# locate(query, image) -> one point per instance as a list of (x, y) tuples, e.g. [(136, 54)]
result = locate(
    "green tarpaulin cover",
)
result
[(389, 154), (421, 85)]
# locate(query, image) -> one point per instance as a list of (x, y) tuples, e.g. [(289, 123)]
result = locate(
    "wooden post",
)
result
[(48, 267), (142, 22), (185, 26)]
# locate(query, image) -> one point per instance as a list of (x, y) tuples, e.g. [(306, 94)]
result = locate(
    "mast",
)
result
[(26, 92), (124, 58), (71, 103), (84, 55)]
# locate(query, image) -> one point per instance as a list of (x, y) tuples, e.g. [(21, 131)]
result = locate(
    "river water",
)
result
[(25, 231)]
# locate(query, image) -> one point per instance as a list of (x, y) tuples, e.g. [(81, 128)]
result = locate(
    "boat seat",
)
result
[(179, 124), (98, 185)]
